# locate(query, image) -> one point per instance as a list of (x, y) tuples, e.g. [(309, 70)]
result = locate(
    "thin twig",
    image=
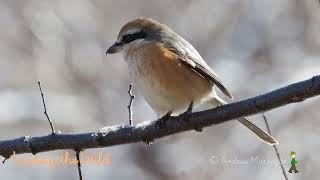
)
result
[(79, 164), (275, 148), (4, 160), (45, 109), (130, 103)]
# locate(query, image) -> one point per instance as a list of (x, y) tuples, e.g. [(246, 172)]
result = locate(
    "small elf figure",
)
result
[(293, 162)]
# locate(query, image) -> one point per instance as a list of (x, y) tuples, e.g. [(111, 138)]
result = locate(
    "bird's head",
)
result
[(140, 31)]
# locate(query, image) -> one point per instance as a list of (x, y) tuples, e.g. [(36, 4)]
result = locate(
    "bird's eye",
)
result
[(131, 37), (128, 38)]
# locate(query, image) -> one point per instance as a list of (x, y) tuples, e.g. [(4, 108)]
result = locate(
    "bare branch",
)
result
[(45, 109), (4, 160), (79, 164), (275, 148), (130, 104), (124, 134)]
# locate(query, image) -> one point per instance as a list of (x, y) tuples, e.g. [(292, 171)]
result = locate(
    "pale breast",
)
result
[(166, 84)]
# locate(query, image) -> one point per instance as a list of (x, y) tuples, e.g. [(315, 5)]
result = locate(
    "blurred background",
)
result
[(254, 45)]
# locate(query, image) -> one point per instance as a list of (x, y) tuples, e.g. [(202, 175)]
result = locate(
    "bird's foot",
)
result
[(162, 121), (185, 116)]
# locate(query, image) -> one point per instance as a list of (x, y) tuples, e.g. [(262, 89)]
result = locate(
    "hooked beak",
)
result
[(116, 47)]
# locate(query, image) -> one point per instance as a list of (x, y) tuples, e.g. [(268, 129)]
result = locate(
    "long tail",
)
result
[(265, 137)]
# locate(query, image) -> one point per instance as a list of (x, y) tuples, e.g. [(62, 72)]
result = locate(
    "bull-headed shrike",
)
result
[(169, 72)]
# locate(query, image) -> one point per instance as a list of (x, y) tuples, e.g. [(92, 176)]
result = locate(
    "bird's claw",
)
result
[(162, 121), (185, 116)]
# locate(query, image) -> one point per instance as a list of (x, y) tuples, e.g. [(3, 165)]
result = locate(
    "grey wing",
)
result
[(210, 75), (191, 58)]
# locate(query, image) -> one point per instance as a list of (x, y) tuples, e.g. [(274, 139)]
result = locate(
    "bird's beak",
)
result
[(116, 47)]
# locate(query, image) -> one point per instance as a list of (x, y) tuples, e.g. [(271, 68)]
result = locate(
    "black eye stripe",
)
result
[(131, 37)]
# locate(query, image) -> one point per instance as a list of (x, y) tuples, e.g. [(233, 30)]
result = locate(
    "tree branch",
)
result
[(124, 134), (79, 164), (45, 109), (130, 103), (275, 149)]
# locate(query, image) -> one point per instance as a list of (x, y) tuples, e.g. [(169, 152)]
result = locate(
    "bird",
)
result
[(169, 72)]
